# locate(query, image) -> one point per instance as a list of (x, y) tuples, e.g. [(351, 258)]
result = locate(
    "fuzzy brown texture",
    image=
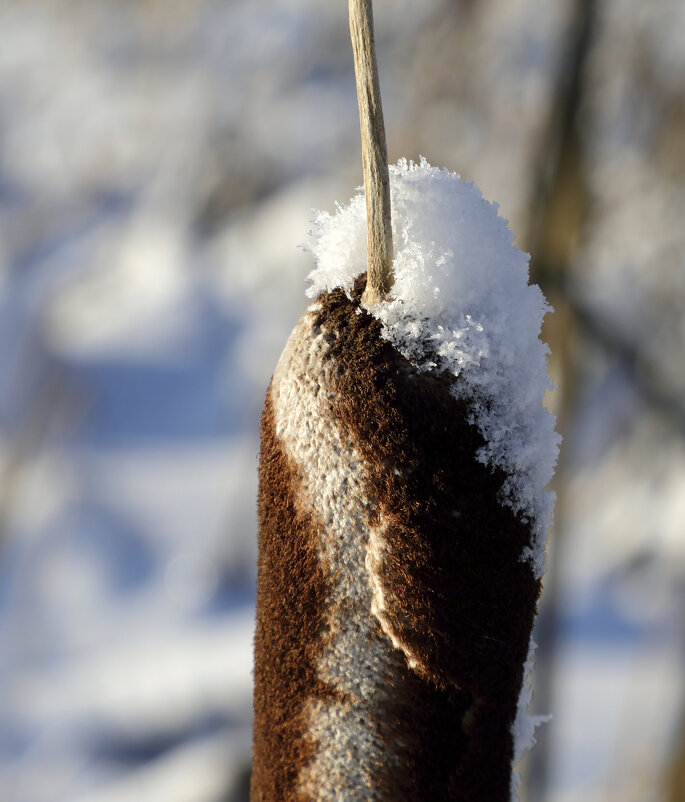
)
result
[(292, 590), (457, 593)]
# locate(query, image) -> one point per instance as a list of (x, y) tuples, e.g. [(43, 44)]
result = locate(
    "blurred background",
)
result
[(159, 160)]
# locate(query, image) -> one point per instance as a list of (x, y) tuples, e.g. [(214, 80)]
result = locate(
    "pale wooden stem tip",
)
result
[(374, 154)]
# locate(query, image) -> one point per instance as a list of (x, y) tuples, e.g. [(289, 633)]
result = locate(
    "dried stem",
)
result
[(374, 154)]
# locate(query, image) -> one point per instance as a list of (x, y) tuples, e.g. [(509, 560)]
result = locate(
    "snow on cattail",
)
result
[(403, 511)]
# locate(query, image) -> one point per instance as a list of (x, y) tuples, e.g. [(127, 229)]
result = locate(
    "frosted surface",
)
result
[(462, 303)]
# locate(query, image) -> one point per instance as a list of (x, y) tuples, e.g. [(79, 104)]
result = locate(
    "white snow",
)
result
[(461, 302), (525, 725)]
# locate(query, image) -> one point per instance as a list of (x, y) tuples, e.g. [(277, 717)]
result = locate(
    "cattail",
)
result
[(402, 510)]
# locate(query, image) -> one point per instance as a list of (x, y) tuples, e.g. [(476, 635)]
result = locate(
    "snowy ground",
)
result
[(158, 165)]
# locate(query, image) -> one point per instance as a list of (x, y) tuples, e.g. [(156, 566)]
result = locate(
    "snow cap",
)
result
[(461, 302)]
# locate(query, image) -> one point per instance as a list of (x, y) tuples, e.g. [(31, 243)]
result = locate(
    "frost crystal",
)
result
[(461, 302)]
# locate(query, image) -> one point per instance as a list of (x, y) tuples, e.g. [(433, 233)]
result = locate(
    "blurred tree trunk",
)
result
[(676, 777), (557, 215)]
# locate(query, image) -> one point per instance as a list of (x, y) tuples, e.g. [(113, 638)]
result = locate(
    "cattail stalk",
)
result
[(395, 600), (374, 154)]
